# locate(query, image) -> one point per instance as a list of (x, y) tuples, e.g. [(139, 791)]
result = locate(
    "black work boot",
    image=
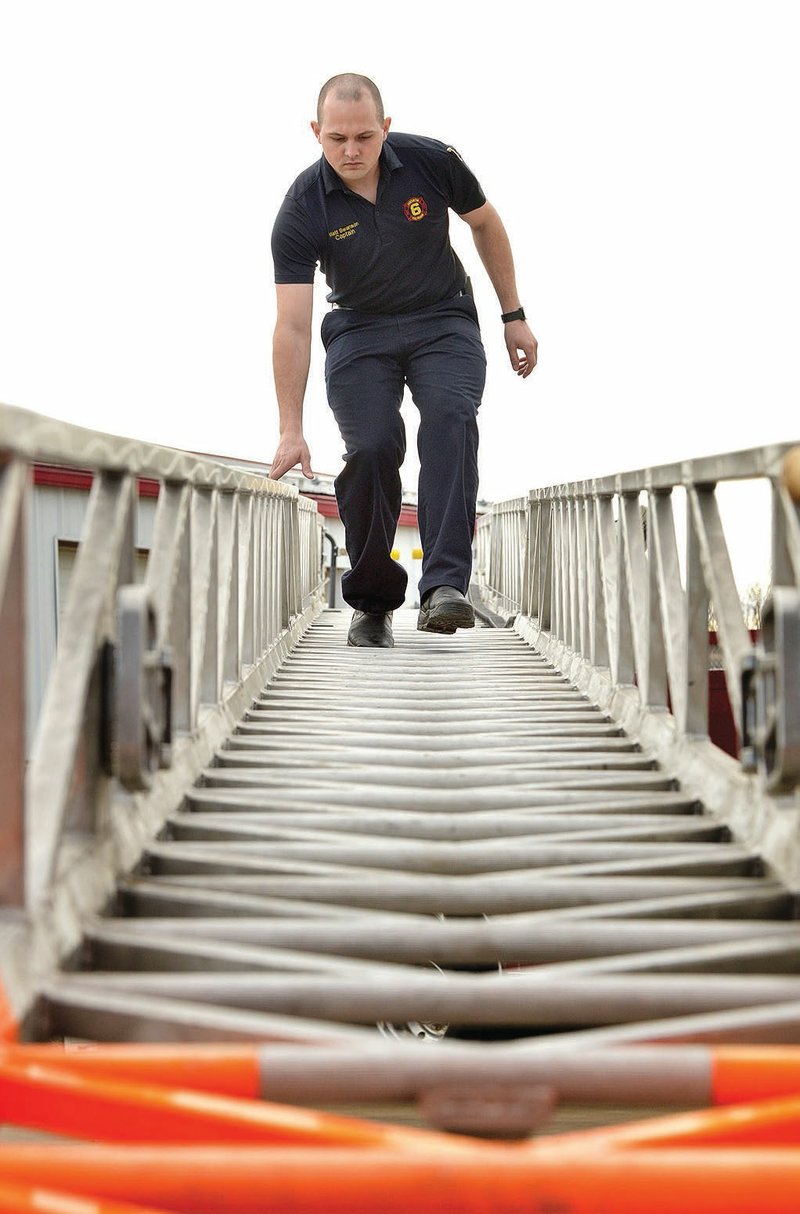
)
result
[(444, 610), (371, 631)]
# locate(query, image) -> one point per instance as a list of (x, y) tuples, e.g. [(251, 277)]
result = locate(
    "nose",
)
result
[(351, 150)]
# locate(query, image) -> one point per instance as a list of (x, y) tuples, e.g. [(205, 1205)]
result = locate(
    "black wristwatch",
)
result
[(519, 314)]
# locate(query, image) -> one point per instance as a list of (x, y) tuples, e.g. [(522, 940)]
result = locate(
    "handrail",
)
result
[(591, 570), (144, 677)]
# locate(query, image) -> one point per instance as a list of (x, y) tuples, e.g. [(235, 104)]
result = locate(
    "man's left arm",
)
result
[(494, 250)]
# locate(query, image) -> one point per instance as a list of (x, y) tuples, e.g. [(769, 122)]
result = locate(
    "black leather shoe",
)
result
[(371, 631), (444, 610)]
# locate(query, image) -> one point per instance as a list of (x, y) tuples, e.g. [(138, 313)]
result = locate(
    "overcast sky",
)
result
[(643, 156)]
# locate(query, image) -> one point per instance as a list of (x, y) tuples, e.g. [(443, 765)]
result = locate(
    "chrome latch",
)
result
[(141, 695), (771, 695)]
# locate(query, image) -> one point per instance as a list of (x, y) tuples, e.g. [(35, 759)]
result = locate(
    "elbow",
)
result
[(289, 333)]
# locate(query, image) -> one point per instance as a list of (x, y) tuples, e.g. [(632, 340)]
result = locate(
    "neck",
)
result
[(367, 187)]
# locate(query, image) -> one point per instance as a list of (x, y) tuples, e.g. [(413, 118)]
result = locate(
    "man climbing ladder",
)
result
[(374, 213)]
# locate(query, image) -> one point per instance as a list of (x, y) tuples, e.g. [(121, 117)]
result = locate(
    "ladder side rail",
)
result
[(292, 549), (608, 581), (718, 574), (556, 565), (67, 786), (585, 577), (519, 545), (698, 602), (620, 596), (312, 554), (204, 581), (548, 541), (637, 586), (785, 536), (495, 537), (503, 568), (483, 532), (671, 599), (561, 570), (272, 561), (531, 603), (113, 718), (228, 589), (247, 585), (573, 574), (657, 691), (168, 581), (625, 672), (14, 491), (541, 579)]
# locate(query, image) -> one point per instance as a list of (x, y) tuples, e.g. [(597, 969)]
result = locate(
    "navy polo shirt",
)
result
[(390, 256)]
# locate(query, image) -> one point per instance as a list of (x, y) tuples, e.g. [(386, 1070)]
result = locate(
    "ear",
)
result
[(316, 129), (387, 122)]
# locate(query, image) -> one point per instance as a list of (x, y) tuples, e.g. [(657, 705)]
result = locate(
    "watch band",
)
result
[(518, 314)]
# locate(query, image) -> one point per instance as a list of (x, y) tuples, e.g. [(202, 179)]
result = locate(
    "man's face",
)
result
[(351, 137)]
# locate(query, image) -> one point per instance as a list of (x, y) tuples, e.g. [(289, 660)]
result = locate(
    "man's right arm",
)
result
[(291, 353)]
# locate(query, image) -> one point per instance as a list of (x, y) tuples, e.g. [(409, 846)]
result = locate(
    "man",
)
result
[(374, 213)]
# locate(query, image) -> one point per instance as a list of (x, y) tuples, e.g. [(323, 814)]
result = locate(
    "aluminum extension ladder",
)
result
[(432, 884)]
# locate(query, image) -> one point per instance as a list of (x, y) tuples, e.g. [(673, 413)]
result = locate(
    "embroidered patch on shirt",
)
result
[(415, 208)]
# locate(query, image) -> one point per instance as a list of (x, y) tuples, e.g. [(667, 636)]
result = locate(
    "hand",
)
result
[(522, 347), (292, 450)]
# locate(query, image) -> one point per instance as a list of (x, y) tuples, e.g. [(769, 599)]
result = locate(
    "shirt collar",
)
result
[(389, 162)]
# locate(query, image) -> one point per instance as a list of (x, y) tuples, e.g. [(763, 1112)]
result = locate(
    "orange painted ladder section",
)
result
[(180, 1128)]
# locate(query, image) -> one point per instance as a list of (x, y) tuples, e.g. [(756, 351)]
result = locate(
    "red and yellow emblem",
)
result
[(415, 208)]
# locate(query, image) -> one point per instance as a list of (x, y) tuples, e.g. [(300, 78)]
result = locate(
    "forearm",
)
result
[(494, 250), (291, 355)]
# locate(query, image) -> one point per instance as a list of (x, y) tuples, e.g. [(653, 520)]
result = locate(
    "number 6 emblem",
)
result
[(415, 208)]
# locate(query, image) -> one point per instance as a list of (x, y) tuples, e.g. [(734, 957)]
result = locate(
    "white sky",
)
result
[(642, 153)]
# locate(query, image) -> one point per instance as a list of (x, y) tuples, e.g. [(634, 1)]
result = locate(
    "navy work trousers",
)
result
[(370, 358)]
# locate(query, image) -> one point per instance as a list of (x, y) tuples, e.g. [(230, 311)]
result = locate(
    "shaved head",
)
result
[(350, 87)]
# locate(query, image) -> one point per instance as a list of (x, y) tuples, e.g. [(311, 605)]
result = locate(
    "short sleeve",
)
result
[(293, 251), (465, 189)]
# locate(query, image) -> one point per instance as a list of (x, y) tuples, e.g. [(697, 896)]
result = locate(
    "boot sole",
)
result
[(446, 618)]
